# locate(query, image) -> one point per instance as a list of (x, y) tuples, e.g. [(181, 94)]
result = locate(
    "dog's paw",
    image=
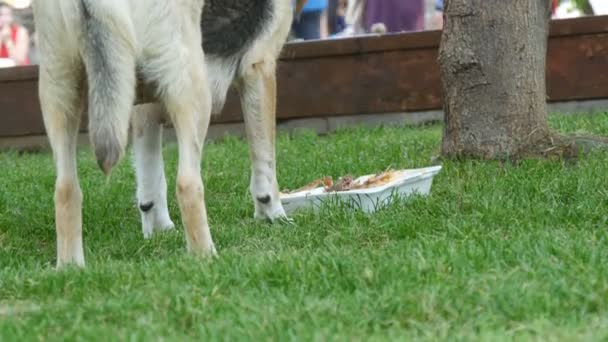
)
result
[(150, 226), (205, 250), (273, 214), (164, 225)]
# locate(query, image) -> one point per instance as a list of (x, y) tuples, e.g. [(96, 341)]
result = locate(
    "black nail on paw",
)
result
[(264, 200), (146, 207)]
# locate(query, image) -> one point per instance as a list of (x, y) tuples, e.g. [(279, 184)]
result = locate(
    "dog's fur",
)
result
[(101, 45)]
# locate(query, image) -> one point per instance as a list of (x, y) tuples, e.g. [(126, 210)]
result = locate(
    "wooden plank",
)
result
[(372, 74), (20, 109), (579, 26), (362, 45), (395, 81), (577, 68), (24, 73)]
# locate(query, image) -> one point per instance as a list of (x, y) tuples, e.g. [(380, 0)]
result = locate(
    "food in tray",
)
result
[(348, 183)]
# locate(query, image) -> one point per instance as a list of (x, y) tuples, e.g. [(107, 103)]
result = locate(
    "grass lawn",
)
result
[(497, 252)]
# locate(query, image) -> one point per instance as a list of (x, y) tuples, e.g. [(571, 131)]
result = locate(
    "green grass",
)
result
[(497, 252)]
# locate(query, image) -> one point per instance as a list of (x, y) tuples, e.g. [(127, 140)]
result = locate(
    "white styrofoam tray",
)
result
[(409, 182)]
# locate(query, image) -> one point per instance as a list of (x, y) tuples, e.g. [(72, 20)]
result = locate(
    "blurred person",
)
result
[(336, 13), (341, 16), (14, 39), (384, 16), (554, 4), (567, 9), (395, 15), (309, 24), (353, 19), (436, 22)]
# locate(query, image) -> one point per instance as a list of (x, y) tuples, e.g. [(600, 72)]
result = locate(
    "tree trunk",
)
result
[(493, 60)]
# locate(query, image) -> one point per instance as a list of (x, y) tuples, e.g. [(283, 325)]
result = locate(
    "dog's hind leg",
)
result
[(149, 169), (257, 85), (61, 103), (180, 74), (190, 112)]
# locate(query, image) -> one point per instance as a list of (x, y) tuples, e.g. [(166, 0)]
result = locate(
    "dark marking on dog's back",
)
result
[(228, 26)]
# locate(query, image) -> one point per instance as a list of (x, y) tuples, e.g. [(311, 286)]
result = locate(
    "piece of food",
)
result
[(378, 180), (343, 184), (312, 185)]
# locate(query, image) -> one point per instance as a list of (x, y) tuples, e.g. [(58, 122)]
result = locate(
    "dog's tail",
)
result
[(108, 52)]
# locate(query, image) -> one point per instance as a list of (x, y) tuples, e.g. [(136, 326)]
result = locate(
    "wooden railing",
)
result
[(364, 75)]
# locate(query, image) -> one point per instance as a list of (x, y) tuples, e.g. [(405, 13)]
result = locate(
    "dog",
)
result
[(190, 52)]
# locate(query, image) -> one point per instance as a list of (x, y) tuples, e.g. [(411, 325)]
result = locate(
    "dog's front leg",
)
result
[(257, 86)]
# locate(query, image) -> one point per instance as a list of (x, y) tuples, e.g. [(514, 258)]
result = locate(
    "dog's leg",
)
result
[(190, 118), (149, 169), (258, 97), (186, 95), (178, 69), (61, 108)]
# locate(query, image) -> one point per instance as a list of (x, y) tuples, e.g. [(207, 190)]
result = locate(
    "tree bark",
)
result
[(493, 60)]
